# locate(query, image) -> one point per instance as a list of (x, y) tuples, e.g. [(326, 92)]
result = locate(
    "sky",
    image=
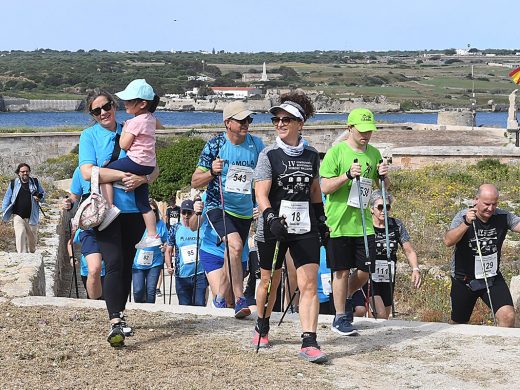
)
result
[(260, 25)]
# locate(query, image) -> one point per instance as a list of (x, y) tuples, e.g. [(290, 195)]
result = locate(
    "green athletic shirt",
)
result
[(345, 220)]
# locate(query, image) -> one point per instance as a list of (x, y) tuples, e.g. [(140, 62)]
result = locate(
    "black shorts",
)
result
[(344, 253), (233, 224), (463, 299), (383, 290), (302, 251)]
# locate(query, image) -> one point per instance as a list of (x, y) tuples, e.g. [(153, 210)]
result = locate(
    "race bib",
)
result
[(188, 253), (366, 190), (173, 221), (296, 216), (238, 179), (145, 257), (490, 266), (325, 284), (381, 271)]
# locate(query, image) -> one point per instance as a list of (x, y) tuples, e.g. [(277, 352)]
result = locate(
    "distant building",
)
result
[(200, 77), (236, 92)]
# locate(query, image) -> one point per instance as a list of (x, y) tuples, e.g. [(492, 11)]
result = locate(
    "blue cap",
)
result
[(137, 89)]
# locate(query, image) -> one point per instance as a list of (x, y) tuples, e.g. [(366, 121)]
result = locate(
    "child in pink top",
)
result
[(138, 139)]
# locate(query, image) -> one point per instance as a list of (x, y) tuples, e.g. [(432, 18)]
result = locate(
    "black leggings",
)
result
[(117, 244)]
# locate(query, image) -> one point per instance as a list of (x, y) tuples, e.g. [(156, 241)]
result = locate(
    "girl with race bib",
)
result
[(148, 264)]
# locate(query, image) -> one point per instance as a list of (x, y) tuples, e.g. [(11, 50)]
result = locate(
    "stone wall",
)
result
[(44, 105), (22, 274), (456, 118), (33, 148)]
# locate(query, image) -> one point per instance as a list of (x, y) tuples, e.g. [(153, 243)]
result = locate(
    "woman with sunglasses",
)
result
[(397, 235), (97, 147), (149, 262), (182, 244), (289, 196)]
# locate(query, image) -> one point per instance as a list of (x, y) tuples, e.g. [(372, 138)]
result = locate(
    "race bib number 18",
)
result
[(296, 216)]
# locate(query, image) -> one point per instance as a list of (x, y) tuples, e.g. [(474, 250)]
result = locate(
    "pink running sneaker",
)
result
[(313, 355), (264, 340)]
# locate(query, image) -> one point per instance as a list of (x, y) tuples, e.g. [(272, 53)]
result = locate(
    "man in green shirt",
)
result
[(348, 160)]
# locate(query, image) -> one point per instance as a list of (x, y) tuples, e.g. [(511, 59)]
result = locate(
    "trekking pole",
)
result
[(171, 283), (273, 266), (365, 240), (387, 242), (74, 275), (485, 276), (164, 295), (282, 288), (197, 199), (40, 206), (289, 305), (225, 235), (288, 285)]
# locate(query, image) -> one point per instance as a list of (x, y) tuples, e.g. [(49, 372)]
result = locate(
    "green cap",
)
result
[(362, 119)]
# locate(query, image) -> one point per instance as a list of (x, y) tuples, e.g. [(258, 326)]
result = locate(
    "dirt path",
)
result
[(50, 347)]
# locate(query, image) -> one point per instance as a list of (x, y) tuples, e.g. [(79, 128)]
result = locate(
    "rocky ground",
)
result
[(64, 348)]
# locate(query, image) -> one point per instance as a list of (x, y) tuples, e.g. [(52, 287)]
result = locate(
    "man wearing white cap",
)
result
[(226, 166)]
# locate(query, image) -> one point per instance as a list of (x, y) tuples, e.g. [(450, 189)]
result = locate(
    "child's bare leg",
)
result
[(150, 223), (108, 193)]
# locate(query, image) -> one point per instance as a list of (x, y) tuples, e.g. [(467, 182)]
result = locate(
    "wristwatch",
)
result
[(466, 221)]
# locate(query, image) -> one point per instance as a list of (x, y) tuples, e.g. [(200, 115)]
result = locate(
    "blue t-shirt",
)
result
[(96, 145), (78, 185), (184, 240), (83, 270), (238, 158), (210, 237), (151, 257), (325, 271)]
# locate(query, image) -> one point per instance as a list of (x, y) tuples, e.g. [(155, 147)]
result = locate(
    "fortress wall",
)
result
[(35, 148), (15, 105)]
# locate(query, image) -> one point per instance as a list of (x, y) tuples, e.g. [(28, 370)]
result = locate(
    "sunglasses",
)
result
[(380, 207), (285, 120), (247, 120), (186, 212), (105, 107)]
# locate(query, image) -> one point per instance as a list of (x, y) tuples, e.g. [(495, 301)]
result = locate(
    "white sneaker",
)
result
[(148, 242), (109, 218)]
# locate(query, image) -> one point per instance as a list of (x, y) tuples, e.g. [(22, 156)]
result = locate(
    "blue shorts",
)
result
[(212, 262), (89, 242)]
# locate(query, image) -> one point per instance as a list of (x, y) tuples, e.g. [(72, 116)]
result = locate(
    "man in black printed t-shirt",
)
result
[(173, 212), (489, 225)]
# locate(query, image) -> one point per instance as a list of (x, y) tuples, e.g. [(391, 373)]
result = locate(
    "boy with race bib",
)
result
[(346, 162)]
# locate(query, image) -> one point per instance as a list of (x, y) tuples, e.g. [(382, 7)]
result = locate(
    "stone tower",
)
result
[(264, 74)]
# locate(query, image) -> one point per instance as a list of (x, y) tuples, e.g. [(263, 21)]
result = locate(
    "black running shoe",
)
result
[(116, 336), (127, 330)]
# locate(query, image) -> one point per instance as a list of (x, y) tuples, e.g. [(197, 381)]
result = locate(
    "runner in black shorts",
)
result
[(344, 164), (397, 235), (226, 166), (467, 274), (288, 194)]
